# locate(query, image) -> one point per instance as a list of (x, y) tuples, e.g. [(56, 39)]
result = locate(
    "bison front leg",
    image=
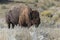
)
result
[(12, 25), (9, 25), (20, 22)]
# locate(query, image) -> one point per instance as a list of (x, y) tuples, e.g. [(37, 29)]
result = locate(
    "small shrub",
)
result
[(51, 4), (59, 14), (36, 1), (57, 0), (4, 7), (55, 18), (44, 7), (46, 13)]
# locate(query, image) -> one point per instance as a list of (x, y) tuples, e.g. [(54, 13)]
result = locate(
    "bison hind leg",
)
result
[(12, 25), (8, 25)]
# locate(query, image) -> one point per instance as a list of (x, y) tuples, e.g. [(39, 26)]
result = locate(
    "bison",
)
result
[(14, 13), (23, 15)]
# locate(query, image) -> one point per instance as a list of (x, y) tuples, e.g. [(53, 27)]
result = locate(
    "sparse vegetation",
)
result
[(3, 7), (49, 28), (46, 13), (36, 1)]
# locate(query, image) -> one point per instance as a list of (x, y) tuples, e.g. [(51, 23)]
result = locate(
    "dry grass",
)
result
[(49, 28)]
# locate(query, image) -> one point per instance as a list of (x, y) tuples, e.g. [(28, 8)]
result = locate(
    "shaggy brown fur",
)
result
[(14, 13), (12, 17), (24, 19), (28, 19), (34, 17)]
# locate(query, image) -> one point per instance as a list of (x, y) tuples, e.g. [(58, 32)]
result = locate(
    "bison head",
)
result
[(34, 17)]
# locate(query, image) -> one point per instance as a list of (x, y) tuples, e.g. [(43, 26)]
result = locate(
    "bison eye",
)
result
[(31, 17)]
